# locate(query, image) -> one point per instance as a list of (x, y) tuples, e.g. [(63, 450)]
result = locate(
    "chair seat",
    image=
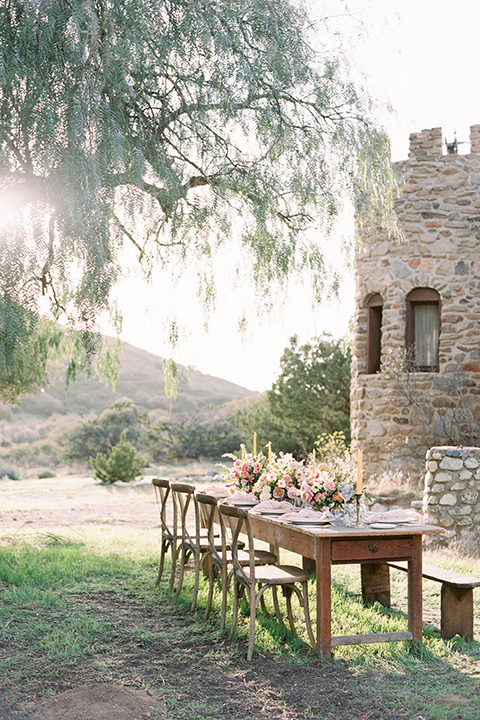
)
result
[(262, 557), (277, 574), (204, 545)]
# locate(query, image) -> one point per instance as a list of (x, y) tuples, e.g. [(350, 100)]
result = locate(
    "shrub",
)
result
[(45, 474), (9, 474), (122, 463)]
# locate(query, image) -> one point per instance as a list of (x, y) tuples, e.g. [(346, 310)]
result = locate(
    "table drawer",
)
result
[(374, 548)]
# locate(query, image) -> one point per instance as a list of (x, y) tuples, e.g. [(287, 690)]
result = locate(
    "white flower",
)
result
[(265, 493)]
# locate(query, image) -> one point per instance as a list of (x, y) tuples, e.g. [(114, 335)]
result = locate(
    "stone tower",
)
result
[(416, 355)]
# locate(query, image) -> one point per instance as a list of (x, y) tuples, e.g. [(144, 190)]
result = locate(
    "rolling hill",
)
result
[(141, 381)]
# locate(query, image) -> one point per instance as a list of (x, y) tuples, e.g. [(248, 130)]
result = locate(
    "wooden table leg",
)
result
[(324, 597), (415, 590), (375, 583)]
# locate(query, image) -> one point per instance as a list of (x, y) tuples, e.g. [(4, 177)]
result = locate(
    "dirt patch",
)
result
[(91, 702)]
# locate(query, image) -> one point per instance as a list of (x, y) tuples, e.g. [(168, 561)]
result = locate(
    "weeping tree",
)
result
[(167, 125)]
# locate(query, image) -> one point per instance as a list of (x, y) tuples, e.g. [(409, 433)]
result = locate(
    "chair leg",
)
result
[(162, 561), (225, 583), (306, 609), (198, 561), (235, 608), (181, 571), (211, 581), (262, 603), (173, 570), (287, 591), (278, 612), (252, 603)]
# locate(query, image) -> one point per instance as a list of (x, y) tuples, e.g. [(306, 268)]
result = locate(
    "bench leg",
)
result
[(456, 612), (375, 583)]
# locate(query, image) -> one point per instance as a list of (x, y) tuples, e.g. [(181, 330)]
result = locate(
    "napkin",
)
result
[(214, 490), (274, 505), (243, 497), (307, 513), (409, 515)]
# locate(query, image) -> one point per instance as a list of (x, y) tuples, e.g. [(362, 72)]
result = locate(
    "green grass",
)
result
[(66, 601)]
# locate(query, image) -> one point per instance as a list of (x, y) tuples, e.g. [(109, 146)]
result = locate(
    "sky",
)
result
[(421, 57)]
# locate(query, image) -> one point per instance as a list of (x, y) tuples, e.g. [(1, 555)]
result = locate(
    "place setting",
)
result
[(391, 519)]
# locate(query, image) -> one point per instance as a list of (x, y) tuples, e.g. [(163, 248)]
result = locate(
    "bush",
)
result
[(102, 433), (45, 474), (9, 474), (122, 463)]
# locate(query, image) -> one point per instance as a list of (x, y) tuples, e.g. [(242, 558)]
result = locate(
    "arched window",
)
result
[(422, 331), (374, 333)]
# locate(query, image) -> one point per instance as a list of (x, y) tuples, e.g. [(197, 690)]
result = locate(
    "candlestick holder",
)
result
[(358, 497)]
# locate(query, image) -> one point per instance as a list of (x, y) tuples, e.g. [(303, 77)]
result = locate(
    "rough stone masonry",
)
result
[(452, 492), (397, 416)]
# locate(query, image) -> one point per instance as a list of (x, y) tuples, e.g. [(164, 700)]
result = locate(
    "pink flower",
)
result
[(256, 468), (278, 493), (329, 485), (237, 463), (292, 492), (287, 479), (306, 498)]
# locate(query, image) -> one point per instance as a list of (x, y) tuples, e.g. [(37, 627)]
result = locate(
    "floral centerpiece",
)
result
[(268, 478), (329, 485), (246, 470), (282, 480)]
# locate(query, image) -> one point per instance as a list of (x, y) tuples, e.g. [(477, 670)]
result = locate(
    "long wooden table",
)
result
[(339, 545)]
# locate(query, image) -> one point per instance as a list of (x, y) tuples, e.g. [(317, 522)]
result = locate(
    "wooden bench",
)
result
[(456, 607)]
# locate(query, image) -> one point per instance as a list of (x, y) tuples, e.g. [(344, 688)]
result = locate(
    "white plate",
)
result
[(310, 521), (240, 504), (384, 526), (272, 512)]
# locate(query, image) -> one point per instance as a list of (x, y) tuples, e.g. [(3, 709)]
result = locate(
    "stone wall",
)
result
[(452, 492), (439, 211)]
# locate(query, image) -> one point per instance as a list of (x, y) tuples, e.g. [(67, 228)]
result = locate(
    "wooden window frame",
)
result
[(374, 333), (415, 298)]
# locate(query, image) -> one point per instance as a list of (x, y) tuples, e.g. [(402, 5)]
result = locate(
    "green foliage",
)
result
[(9, 473), (160, 124), (331, 446), (311, 396), (202, 435), (46, 474), (26, 342), (122, 463), (102, 433)]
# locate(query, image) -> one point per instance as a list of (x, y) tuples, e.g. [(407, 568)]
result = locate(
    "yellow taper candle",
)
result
[(243, 452), (359, 471), (254, 443)]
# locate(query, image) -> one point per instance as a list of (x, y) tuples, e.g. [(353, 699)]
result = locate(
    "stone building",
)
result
[(416, 354)]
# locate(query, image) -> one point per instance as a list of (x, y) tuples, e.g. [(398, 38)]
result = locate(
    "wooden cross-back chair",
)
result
[(220, 558), (256, 579), (194, 538), (168, 526)]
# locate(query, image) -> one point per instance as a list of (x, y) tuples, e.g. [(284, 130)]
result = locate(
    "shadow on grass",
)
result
[(71, 615)]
